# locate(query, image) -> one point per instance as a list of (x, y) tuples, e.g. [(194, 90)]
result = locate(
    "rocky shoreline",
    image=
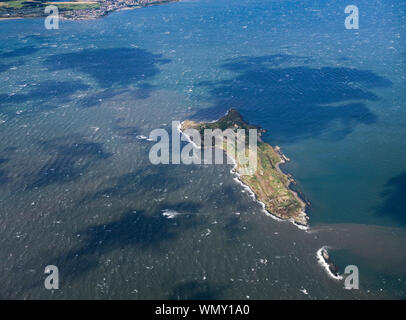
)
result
[(269, 185), (291, 181), (324, 259)]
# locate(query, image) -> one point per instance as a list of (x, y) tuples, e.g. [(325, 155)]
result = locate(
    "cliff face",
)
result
[(269, 184)]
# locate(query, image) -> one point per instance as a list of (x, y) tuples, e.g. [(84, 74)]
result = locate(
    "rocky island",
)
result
[(324, 259), (268, 183), (70, 9)]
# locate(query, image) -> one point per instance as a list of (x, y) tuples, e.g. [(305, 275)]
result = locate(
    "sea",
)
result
[(78, 190)]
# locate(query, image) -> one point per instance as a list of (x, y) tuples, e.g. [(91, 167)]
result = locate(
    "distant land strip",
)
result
[(71, 10)]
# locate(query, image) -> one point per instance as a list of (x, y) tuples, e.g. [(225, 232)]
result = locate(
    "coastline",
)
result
[(246, 186), (11, 18), (82, 14), (324, 260), (304, 202), (237, 178), (255, 198)]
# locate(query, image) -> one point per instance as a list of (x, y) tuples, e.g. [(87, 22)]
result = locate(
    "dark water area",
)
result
[(77, 188)]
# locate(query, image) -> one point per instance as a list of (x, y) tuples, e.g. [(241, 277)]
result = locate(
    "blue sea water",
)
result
[(78, 190)]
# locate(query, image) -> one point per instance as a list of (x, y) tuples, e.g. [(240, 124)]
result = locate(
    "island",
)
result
[(324, 259), (70, 9), (270, 186)]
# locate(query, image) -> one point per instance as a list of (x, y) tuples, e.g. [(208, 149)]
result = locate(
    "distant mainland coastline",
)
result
[(71, 9)]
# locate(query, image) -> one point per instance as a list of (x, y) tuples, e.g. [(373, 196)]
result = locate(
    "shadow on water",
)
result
[(294, 102), (46, 90), (394, 199), (195, 290), (69, 161), (3, 175), (151, 180), (46, 95), (4, 67), (115, 66), (129, 132), (135, 228), (233, 227), (109, 67), (19, 52)]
